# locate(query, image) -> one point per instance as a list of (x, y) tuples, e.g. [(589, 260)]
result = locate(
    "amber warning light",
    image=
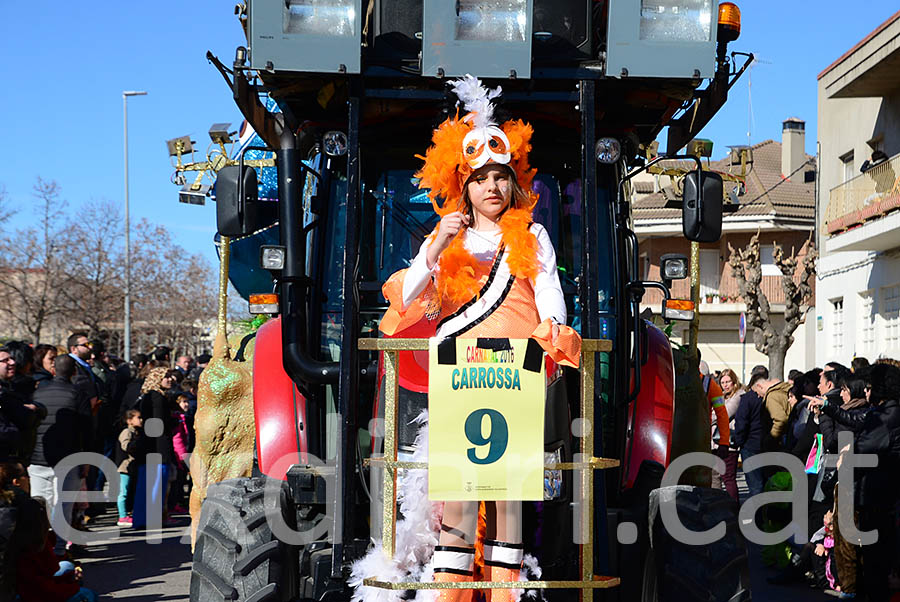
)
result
[(729, 22), (678, 309), (264, 304)]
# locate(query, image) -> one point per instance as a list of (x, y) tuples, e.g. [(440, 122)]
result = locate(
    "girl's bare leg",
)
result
[(503, 549), (454, 557)]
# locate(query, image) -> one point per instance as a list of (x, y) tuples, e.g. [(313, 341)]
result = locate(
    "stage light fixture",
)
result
[(219, 133), (193, 194), (181, 145)]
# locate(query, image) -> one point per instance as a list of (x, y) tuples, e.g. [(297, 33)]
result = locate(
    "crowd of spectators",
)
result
[(820, 417), (56, 402)]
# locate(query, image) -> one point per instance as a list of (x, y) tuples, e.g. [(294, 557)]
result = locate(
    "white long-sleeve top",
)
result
[(548, 295)]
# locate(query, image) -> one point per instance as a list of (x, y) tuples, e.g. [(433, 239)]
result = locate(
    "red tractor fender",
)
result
[(649, 436), (279, 408)]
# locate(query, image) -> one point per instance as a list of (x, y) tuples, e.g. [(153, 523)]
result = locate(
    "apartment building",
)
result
[(858, 213)]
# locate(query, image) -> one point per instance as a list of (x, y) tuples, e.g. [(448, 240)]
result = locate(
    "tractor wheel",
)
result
[(236, 555), (716, 572)]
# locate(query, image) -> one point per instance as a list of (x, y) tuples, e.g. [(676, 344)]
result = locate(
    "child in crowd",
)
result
[(181, 444), (41, 576), (130, 441)]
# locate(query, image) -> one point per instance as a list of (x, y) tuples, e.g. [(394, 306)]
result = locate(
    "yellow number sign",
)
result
[(486, 419)]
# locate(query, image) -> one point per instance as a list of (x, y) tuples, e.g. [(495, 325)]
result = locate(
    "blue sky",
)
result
[(65, 69)]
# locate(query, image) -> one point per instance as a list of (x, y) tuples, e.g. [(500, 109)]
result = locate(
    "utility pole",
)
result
[(127, 322)]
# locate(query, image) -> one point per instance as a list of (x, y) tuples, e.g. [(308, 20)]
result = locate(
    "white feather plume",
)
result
[(417, 534), (476, 99)]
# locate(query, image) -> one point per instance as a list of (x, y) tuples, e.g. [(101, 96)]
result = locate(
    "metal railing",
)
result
[(588, 582), (866, 196)]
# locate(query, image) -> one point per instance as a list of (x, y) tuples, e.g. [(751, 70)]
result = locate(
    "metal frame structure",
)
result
[(587, 465)]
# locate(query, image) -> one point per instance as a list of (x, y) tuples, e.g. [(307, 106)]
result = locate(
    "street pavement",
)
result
[(138, 565), (154, 566)]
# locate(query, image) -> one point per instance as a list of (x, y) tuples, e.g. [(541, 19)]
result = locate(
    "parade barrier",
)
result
[(585, 503)]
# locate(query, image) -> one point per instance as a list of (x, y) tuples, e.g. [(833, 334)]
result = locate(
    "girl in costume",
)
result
[(487, 270)]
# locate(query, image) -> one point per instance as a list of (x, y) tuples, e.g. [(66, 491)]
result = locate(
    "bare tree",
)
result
[(174, 293), (33, 271), (769, 337), (6, 211), (95, 262)]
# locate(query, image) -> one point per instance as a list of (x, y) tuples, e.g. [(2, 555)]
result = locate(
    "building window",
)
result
[(847, 166), (867, 321), (767, 260), (837, 325), (709, 272), (890, 314)]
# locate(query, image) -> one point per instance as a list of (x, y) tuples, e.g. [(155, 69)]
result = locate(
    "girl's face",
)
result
[(135, 421), (489, 191), (167, 382), (727, 384), (47, 364), (845, 394), (184, 405)]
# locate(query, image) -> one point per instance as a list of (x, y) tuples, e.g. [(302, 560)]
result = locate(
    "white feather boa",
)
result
[(417, 534)]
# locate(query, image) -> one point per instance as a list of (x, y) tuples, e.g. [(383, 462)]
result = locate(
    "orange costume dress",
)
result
[(485, 284)]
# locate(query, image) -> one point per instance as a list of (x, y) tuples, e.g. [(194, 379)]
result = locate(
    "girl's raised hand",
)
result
[(449, 227)]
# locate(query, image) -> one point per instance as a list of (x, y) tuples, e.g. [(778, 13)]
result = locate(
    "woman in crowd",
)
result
[(853, 396), (44, 356), (732, 389), (153, 475)]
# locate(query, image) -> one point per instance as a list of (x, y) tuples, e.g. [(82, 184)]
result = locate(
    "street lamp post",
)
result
[(127, 325)]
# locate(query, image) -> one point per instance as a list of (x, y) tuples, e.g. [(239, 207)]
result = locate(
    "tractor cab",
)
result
[(323, 204)]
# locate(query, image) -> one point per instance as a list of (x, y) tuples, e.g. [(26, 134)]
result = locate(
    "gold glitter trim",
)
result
[(589, 581), (383, 344), (389, 501), (595, 463), (595, 583)]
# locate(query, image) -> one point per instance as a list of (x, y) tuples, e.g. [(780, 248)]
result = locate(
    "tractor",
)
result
[(342, 95)]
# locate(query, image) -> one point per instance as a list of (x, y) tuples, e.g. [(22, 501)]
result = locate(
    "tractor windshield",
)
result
[(397, 216)]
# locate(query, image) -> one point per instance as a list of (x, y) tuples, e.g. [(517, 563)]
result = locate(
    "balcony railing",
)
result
[(867, 196)]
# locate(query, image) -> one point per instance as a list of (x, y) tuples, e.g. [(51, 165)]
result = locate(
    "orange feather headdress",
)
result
[(462, 145), (459, 147)]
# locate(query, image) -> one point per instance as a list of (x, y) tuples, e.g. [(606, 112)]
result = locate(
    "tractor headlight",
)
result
[(677, 20), (334, 143), (271, 257), (674, 266), (608, 150)]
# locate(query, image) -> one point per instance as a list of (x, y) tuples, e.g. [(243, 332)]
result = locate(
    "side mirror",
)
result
[(237, 197), (702, 210)]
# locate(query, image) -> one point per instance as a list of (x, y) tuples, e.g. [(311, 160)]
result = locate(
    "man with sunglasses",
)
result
[(80, 350)]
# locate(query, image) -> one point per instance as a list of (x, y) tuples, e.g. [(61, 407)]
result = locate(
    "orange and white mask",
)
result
[(486, 145)]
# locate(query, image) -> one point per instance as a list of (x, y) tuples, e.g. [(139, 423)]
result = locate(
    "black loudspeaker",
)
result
[(702, 217), (562, 29), (399, 16), (237, 198), (397, 31)]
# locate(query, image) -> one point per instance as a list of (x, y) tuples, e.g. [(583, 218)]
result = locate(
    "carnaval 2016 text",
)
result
[(485, 378)]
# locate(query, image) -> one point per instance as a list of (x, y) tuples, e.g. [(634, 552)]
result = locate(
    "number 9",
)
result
[(497, 438)]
